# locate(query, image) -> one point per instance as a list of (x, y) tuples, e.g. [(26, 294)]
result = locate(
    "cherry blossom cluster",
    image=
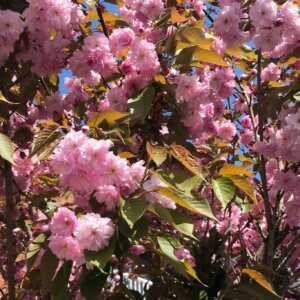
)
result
[(87, 166), (203, 95), (57, 20), (71, 236), (273, 29), (11, 27)]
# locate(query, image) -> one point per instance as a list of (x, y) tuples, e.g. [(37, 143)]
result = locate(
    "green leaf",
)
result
[(243, 184), (182, 223), (33, 250), (133, 209), (6, 148), (193, 202), (93, 283), (157, 153), (140, 106), (45, 137), (167, 246), (101, 257), (179, 221), (60, 283), (179, 181), (224, 190), (49, 265)]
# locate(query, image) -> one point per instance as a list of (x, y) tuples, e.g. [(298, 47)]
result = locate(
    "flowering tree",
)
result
[(169, 151)]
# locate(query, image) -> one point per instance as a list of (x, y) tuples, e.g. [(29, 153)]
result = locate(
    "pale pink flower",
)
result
[(93, 232), (63, 222), (227, 130), (263, 13), (65, 247)]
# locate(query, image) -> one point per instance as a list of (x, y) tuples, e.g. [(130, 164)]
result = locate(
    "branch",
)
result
[(101, 19), (9, 214), (262, 162), (287, 251)]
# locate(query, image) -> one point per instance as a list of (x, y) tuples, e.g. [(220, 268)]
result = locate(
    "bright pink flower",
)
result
[(93, 232), (121, 39), (65, 247), (63, 222)]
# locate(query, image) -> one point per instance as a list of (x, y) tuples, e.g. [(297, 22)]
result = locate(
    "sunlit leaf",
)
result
[(6, 148), (224, 190), (110, 116), (157, 153), (243, 184), (188, 160), (260, 279), (179, 180), (195, 204), (230, 169)]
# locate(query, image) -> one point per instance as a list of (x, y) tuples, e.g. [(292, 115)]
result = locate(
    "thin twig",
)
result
[(101, 19)]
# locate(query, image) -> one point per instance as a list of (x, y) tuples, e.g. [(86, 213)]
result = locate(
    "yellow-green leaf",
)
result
[(224, 190), (242, 183), (195, 204), (188, 160), (210, 56), (234, 170), (260, 279), (133, 209), (6, 148), (157, 153), (111, 116)]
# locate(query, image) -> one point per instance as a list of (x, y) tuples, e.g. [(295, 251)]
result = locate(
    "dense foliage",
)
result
[(154, 139)]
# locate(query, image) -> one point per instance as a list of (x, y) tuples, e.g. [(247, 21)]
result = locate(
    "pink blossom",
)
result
[(138, 249), (65, 247), (63, 222), (109, 195), (247, 136), (263, 13), (227, 130), (182, 254), (11, 26), (293, 120), (93, 232), (267, 39), (270, 73), (286, 181), (121, 39), (292, 209)]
